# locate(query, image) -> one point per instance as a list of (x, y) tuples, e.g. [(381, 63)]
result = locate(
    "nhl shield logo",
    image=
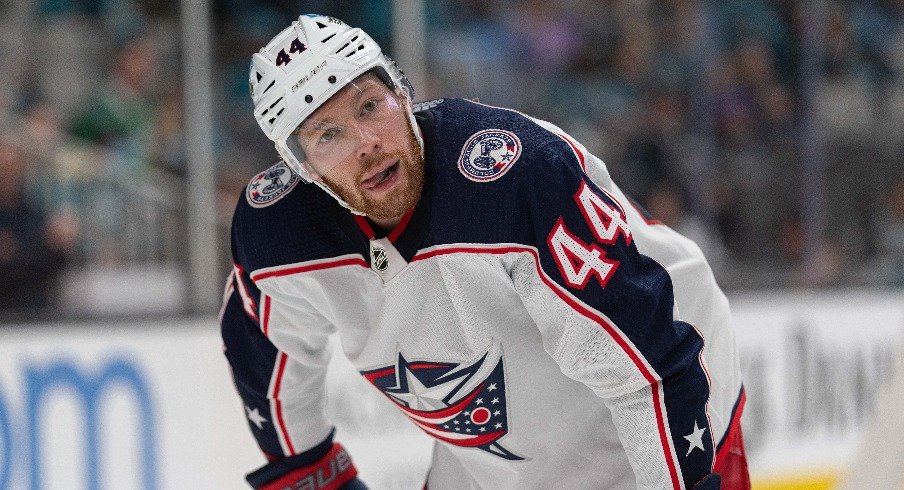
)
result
[(380, 259), (489, 154), (460, 403), (271, 185)]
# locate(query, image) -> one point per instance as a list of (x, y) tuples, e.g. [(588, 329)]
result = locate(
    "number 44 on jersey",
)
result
[(577, 260)]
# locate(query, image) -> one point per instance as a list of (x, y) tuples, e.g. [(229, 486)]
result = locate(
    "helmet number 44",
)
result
[(284, 58)]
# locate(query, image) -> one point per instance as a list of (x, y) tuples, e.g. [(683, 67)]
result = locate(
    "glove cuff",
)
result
[(328, 473)]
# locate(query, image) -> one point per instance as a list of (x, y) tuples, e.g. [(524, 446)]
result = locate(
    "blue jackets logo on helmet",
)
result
[(488, 154), (271, 185)]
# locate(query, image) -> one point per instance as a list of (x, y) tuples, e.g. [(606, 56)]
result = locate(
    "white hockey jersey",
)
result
[(526, 314)]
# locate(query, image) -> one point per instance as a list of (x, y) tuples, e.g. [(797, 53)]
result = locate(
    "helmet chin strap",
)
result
[(412, 126)]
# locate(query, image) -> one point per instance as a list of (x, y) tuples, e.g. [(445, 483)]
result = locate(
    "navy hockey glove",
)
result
[(331, 471)]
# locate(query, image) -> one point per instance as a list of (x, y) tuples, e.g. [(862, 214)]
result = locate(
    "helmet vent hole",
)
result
[(320, 25), (332, 79), (258, 75), (280, 112), (360, 47), (270, 86), (308, 98), (271, 120), (354, 38), (328, 37), (275, 102), (265, 112), (343, 47)]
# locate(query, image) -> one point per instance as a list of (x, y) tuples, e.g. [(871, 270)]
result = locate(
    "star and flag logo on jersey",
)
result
[(460, 403)]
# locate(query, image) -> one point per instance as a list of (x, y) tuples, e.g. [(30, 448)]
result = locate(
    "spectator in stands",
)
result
[(121, 117), (623, 76), (121, 114), (34, 248)]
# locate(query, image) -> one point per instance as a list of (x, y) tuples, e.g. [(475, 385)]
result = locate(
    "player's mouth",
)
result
[(383, 178)]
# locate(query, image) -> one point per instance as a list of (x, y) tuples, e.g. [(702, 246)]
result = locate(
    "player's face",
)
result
[(362, 145)]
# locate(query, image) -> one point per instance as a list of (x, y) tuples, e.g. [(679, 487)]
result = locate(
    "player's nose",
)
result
[(368, 142)]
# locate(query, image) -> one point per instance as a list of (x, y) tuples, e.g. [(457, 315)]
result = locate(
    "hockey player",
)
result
[(482, 271)]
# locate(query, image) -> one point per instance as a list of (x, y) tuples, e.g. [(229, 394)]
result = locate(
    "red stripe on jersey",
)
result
[(577, 152), (397, 231), (663, 436), (709, 386), (445, 412), (283, 358), (247, 300), (377, 374), (421, 365), (393, 235), (733, 428), (610, 329), (288, 271), (731, 460), (265, 323), (365, 226)]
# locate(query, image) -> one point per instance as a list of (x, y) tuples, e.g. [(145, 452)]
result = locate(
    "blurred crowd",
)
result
[(707, 113)]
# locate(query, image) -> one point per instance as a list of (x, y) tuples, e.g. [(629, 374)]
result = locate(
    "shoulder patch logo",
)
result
[(426, 105), (489, 154), (271, 185)]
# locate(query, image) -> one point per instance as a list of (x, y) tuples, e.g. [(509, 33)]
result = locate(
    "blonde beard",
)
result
[(399, 200)]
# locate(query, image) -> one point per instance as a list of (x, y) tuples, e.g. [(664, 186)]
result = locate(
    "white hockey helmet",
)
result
[(302, 67)]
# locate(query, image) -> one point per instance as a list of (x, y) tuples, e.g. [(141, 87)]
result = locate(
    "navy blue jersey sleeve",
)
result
[(258, 369), (607, 316), (281, 391)]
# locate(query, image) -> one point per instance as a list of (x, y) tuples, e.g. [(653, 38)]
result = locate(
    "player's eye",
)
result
[(369, 105), (328, 135)]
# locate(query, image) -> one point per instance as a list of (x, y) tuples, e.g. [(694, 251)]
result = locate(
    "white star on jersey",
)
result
[(420, 397), (255, 417), (695, 438)]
